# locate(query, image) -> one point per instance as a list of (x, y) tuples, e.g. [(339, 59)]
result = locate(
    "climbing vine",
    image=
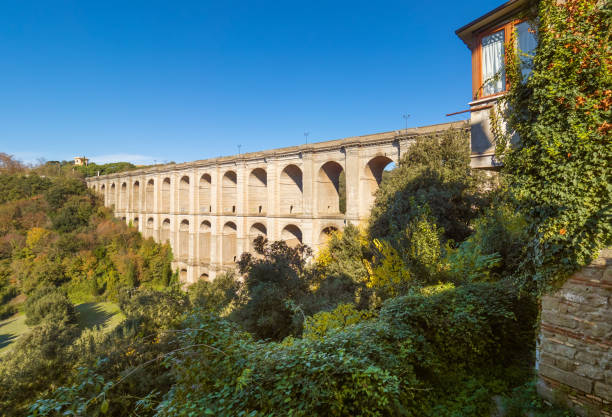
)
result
[(558, 172)]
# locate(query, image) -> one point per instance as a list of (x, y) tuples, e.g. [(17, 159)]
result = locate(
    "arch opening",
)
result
[(258, 191), (205, 231), (204, 190), (183, 249), (331, 189), (183, 194), (291, 190), (165, 231), (150, 195), (135, 222), (136, 196), (149, 227), (123, 197), (374, 174), (183, 275), (326, 234), (229, 243), (291, 235), (165, 195), (257, 229), (228, 192), (111, 197)]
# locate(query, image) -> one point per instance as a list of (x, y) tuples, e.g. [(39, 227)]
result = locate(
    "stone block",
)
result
[(565, 364), (568, 378), (583, 356), (559, 320), (550, 303), (607, 275), (593, 372), (560, 350), (590, 273), (604, 391)]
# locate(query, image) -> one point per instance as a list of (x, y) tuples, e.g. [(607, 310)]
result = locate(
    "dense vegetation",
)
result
[(558, 174), (428, 310)]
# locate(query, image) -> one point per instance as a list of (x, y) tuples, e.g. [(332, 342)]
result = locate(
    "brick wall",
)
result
[(575, 350)]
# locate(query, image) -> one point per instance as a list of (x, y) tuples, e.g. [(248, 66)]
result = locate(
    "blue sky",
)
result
[(179, 80)]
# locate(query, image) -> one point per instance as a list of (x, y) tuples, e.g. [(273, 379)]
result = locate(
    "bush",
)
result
[(217, 295), (155, 309), (49, 304), (435, 172), (425, 355), (274, 281)]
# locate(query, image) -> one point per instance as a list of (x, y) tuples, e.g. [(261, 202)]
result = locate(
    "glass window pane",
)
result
[(493, 74), (526, 46)]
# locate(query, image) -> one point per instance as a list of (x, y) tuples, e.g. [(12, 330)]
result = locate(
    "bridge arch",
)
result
[(103, 192), (183, 241), (258, 191), (150, 195), (204, 191), (205, 231), (291, 235), (229, 183), (229, 243), (257, 229), (123, 196), (326, 234), (165, 231), (183, 194), (331, 189), (112, 195), (135, 222), (291, 190), (165, 195), (136, 196), (373, 176), (149, 227), (183, 275)]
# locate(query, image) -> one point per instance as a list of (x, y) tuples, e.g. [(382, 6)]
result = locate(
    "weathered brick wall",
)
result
[(575, 355)]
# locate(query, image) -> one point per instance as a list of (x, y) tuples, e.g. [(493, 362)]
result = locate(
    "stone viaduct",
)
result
[(211, 210)]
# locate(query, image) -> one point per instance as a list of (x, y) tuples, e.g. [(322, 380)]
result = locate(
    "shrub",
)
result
[(49, 304), (435, 172), (559, 171), (422, 351), (217, 295)]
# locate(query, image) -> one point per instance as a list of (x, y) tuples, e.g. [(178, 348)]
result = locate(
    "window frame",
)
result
[(477, 85)]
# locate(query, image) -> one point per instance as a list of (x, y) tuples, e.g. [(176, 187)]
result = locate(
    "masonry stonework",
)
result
[(210, 211), (575, 355)]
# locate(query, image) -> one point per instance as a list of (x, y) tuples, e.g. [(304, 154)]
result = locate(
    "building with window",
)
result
[(80, 161), (488, 38)]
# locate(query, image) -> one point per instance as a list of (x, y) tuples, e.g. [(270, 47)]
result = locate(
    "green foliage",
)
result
[(49, 304), (558, 174), (273, 278), (217, 295), (435, 172), (320, 324), (92, 169), (18, 186), (421, 352), (156, 309), (524, 400), (494, 250)]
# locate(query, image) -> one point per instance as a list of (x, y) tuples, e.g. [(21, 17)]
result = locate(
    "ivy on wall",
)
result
[(558, 174)]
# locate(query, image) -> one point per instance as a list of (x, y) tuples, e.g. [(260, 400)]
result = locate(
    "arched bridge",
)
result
[(211, 210)]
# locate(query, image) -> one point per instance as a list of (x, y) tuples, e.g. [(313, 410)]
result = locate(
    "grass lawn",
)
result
[(105, 315), (10, 330)]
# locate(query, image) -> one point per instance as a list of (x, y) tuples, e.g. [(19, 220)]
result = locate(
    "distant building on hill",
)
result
[(80, 161)]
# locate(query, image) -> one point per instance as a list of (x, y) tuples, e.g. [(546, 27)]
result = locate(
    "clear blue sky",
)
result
[(182, 80)]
